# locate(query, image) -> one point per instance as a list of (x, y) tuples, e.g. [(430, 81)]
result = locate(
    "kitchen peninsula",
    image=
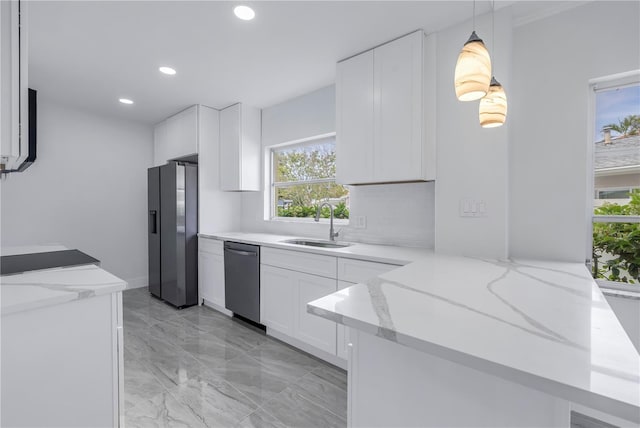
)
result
[(456, 341), (61, 344)]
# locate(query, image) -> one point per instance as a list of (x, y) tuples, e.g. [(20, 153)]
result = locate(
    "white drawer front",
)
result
[(212, 246), (359, 270), (299, 261)]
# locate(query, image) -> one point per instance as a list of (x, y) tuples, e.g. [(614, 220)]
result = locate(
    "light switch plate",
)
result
[(473, 208), (360, 222)]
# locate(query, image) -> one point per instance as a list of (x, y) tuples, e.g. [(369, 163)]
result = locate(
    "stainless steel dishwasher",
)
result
[(242, 279)]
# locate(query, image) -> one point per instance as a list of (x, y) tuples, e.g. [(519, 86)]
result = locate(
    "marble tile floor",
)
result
[(196, 367)]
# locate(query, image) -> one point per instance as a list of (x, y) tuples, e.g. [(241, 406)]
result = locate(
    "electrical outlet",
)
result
[(473, 208), (360, 222)]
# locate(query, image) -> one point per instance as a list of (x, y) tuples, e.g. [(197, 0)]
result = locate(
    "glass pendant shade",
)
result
[(493, 107), (473, 70)]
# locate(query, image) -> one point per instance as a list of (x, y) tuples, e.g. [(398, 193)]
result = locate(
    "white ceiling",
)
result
[(90, 53)]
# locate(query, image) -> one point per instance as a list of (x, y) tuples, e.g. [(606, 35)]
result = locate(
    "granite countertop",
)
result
[(36, 289), (546, 325), (375, 253)]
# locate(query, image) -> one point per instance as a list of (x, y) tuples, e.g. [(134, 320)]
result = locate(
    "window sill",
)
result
[(610, 288)]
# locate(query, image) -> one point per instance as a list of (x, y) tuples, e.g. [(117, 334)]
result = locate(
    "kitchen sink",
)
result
[(317, 243)]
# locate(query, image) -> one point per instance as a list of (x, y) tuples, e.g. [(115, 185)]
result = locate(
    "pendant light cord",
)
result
[(493, 36), (474, 15)]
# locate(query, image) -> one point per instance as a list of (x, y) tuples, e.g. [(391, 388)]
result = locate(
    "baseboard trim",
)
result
[(139, 282), (318, 353)]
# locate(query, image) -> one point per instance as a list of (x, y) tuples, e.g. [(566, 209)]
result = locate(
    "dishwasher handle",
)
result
[(241, 253)]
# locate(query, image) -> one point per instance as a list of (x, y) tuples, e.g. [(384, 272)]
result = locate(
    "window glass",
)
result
[(616, 220), (303, 177)]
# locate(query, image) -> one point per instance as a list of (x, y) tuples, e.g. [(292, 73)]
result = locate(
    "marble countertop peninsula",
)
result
[(48, 287), (375, 253), (545, 325)]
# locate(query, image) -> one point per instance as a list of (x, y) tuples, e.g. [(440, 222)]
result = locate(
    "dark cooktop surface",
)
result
[(37, 261)]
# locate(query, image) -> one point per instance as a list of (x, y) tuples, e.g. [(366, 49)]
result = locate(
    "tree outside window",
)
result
[(303, 177)]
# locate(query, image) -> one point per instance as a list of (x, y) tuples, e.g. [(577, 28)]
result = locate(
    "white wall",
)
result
[(400, 214), (87, 190), (471, 160), (553, 60)]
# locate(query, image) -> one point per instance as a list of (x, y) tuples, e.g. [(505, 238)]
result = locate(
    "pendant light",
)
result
[(473, 69), (492, 111)]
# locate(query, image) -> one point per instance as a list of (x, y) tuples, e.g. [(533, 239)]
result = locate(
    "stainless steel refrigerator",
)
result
[(173, 229)]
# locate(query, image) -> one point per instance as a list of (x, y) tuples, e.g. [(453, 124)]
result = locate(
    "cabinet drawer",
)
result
[(210, 245), (300, 261), (359, 270)]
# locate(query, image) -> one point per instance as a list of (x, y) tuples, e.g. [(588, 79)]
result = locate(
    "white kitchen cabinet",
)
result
[(309, 328), (14, 88), (62, 365), (211, 273), (386, 113), (342, 332), (176, 136), (240, 159), (288, 281), (354, 119), (277, 294)]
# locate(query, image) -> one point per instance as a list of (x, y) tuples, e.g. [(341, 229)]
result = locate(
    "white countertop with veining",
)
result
[(546, 325), (36, 289), (371, 252)]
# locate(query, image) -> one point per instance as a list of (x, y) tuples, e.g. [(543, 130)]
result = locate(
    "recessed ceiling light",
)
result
[(244, 12), (167, 70), (125, 101)]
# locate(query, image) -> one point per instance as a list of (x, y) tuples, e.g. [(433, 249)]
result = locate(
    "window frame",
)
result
[(273, 185), (620, 80)]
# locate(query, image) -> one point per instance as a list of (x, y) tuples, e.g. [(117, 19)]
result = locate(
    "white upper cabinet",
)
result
[(14, 89), (240, 127), (386, 113), (354, 119), (176, 136)]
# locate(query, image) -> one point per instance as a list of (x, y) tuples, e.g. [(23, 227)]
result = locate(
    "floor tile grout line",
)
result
[(322, 407)]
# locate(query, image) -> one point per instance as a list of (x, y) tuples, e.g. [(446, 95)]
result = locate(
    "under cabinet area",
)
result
[(385, 113), (211, 273)]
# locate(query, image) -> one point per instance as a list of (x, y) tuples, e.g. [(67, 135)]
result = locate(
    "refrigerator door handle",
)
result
[(153, 221)]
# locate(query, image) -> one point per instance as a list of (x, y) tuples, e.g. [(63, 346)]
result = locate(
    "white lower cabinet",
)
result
[(289, 280), (211, 272), (277, 304), (284, 295), (342, 333), (311, 329)]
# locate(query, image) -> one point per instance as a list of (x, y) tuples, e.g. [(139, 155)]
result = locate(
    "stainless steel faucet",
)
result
[(332, 234)]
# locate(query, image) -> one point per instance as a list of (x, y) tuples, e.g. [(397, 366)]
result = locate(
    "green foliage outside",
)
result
[(630, 125), (616, 246), (339, 211), (307, 163)]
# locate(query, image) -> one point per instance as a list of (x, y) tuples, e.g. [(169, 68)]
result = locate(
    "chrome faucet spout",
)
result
[(332, 234)]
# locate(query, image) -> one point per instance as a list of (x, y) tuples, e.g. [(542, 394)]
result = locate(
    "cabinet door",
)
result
[(230, 148), (277, 304), (218, 280), (342, 333), (354, 119), (160, 144), (206, 274), (240, 148), (176, 136), (311, 329), (398, 109)]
